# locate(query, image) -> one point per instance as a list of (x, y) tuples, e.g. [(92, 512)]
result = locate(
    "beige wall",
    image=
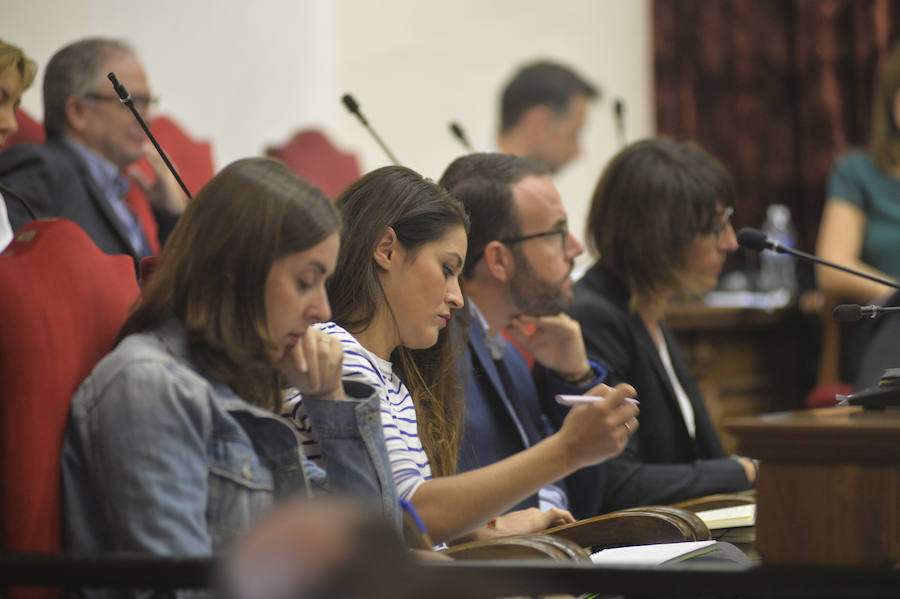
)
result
[(245, 75)]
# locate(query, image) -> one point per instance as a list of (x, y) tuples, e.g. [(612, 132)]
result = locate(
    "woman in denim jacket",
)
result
[(174, 445)]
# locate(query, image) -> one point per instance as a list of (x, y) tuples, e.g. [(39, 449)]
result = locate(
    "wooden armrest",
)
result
[(631, 527), (572, 550), (716, 501), (520, 547), (695, 529)]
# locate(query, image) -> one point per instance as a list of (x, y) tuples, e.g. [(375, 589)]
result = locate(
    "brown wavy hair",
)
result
[(212, 271), (419, 211)]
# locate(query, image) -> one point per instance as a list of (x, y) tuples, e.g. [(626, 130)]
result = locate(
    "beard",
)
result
[(534, 296)]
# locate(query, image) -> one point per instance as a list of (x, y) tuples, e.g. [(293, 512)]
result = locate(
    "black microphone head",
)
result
[(619, 108), (753, 239), (353, 107), (457, 131), (847, 313), (120, 89), (350, 103)]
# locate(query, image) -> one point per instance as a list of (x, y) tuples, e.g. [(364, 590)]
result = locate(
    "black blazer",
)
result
[(490, 432), (57, 184), (661, 463)]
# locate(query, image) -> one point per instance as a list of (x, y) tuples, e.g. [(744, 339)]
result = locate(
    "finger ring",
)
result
[(628, 428)]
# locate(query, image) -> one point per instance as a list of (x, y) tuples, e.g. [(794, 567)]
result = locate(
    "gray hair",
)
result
[(72, 72)]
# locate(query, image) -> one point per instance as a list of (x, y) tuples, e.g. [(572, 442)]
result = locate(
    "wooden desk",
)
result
[(829, 485), (746, 361)]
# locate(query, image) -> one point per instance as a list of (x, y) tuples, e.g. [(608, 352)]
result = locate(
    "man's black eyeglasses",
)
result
[(140, 102), (563, 233)]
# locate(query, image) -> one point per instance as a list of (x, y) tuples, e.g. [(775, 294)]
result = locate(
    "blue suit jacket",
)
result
[(503, 419)]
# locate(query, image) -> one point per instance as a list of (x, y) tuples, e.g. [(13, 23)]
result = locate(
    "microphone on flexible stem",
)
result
[(753, 239), (619, 112), (353, 107), (459, 134), (14, 194), (854, 312), (125, 98)]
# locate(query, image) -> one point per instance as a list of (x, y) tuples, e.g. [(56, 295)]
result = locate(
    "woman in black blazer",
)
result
[(659, 220)]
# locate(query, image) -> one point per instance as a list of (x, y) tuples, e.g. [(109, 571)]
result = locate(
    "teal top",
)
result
[(855, 179)]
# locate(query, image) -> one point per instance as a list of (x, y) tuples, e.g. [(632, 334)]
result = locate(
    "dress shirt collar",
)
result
[(113, 183), (496, 344), (114, 186)]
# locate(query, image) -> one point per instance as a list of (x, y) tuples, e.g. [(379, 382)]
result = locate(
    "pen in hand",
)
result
[(574, 400), (419, 533)]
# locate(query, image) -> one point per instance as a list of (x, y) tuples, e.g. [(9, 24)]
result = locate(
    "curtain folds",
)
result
[(776, 89)]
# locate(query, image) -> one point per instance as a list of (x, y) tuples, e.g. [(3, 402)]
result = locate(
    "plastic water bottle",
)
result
[(777, 271)]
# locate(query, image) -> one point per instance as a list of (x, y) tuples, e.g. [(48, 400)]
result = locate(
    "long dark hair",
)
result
[(419, 211), (212, 272)]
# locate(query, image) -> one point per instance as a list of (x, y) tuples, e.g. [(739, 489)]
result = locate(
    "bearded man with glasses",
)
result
[(78, 173), (517, 279)]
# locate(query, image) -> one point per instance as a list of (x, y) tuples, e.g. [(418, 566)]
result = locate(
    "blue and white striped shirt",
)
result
[(398, 414)]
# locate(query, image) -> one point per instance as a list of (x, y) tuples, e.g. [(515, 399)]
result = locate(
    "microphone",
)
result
[(125, 98), (753, 239), (13, 194), (459, 134), (353, 107), (619, 112), (854, 312)]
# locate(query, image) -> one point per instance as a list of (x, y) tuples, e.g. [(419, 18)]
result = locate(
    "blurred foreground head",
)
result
[(327, 548), (331, 548)]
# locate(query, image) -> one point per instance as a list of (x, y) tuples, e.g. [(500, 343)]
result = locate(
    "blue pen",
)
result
[(411, 510)]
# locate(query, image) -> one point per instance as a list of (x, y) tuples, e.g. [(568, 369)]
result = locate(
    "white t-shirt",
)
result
[(409, 463), (6, 232), (684, 402)]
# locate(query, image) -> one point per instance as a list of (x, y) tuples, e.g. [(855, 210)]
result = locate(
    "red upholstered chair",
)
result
[(140, 206), (819, 305), (30, 130), (191, 158), (311, 155), (63, 302)]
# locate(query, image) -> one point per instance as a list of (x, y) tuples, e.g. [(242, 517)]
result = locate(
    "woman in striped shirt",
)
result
[(394, 295)]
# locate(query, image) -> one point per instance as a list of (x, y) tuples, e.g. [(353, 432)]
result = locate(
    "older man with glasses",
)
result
[(518, 279), (78, 173)]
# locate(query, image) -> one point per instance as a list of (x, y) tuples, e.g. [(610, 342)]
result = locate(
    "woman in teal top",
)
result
[(860, 225)]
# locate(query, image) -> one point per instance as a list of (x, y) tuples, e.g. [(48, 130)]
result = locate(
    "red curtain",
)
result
[(776, 89)]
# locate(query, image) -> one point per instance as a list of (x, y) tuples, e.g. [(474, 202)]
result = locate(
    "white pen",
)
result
[(574, 400)]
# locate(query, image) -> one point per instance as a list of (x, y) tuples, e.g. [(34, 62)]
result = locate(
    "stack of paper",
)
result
[(653, 555), (729, 517)]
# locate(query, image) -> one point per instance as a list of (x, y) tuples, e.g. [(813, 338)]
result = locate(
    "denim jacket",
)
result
[(160, 459)]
